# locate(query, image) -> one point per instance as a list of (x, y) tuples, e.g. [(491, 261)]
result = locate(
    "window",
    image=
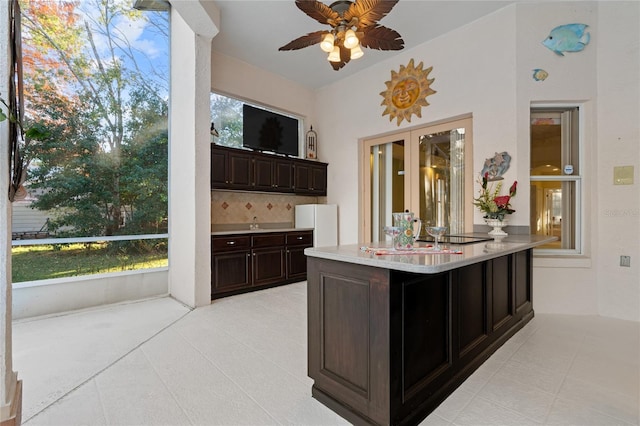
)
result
[(555, 177), (95, 77), (426, 170), (227, 118)]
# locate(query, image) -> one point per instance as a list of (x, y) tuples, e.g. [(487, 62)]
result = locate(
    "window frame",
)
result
[(577, 177), (301, 120)]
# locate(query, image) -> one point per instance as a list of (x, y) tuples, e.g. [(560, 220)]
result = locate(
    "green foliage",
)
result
[(102, 165), (226, 113)]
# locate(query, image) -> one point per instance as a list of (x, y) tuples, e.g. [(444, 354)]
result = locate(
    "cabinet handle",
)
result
[(230, 243), (299, 238)]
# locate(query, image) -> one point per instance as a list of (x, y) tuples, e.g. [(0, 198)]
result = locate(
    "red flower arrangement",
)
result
[(493, 205)]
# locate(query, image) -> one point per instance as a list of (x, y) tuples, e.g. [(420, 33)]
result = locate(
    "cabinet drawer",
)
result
[(228, 243), (267, 240), (300, 238)]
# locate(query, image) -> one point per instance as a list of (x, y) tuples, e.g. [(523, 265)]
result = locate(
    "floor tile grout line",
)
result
[(173, 396), (512, 410), (564, 379), (573, 402), (477, 393), (102, 406), (257, 353), (114, 362), (242, 389)]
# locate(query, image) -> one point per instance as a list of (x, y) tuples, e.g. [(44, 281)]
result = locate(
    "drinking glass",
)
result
[(436, 232)]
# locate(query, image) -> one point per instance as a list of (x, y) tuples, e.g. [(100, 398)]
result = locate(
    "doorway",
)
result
[(427, 170)]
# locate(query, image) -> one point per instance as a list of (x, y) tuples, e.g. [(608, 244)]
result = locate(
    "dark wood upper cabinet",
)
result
[(283, 175), (310, 177), (233, 168), (273, 175), (219, 168), (240, 170), (263, 173)]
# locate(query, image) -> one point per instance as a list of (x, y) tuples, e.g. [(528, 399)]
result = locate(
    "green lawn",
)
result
[(30, 263)]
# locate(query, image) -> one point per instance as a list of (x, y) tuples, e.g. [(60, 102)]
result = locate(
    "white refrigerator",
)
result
[(323, 218)]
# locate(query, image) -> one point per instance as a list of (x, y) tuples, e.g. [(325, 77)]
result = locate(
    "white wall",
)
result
[(233, 77), (473, 71), (485, 68), (567, 286), (46, 297), (617, 215)]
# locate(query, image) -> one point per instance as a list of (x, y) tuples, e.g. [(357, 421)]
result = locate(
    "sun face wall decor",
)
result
[(407, 92)]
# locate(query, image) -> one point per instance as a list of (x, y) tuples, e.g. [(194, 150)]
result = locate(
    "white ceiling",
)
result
[(252, 31)]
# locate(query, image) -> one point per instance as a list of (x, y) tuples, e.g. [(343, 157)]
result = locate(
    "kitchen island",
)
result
[(390, 336)]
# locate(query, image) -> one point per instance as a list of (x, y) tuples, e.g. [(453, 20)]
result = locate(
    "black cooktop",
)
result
[(455, 239)]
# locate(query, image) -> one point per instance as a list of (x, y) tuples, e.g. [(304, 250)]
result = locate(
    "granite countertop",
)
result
[(423, 259)]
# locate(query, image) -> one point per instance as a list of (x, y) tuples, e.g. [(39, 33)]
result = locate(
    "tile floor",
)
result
[(242, 361)]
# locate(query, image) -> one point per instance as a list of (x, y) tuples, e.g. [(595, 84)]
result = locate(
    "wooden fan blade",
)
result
[(305, 41), (318, 11), (369, 12), (381, 38)]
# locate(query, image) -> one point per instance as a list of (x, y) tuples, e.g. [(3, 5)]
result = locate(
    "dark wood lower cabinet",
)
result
[(268, 266), (387, 347), (246, 262), (296, 263), (230, 271)]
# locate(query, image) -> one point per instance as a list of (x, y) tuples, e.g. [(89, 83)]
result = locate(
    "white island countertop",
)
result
[(423, 260)]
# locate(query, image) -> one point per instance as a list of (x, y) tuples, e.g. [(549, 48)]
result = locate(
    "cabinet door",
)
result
[(268, 266), (296, 263), (240, 170), (263, 174), (319, 179), (283, 175), (219, 168), (230, 271), (310, 178), (301, 177)]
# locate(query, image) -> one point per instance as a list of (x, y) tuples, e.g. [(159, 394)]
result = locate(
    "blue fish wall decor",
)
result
[(540, 74), (567, 38)]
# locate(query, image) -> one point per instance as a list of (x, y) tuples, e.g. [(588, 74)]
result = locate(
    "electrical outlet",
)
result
[(625, 261)]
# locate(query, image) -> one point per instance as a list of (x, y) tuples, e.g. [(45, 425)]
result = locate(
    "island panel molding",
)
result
[(389, 339)]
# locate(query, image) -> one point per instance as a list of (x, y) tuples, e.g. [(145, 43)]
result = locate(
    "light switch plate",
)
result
[(623, 175)]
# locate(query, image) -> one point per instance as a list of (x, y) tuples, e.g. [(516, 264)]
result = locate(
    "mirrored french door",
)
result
[(427, 170)]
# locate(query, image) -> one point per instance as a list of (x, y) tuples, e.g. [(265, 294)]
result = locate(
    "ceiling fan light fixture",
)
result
[(351, 39), (356, 52), (327, 43), (354, 26), (334, 56)]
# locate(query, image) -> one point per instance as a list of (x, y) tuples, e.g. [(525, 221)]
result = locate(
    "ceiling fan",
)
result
[(353, 24)]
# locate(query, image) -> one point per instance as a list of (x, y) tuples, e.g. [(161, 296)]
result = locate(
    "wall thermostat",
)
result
[(568, 169)]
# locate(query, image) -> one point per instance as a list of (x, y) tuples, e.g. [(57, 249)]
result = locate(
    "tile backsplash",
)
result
[(229, 207)]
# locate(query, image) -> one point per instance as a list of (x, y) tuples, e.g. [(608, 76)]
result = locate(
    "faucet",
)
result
[(254, 225)]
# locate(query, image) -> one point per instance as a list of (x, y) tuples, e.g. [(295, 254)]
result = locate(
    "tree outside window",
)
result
[(96, 76)]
